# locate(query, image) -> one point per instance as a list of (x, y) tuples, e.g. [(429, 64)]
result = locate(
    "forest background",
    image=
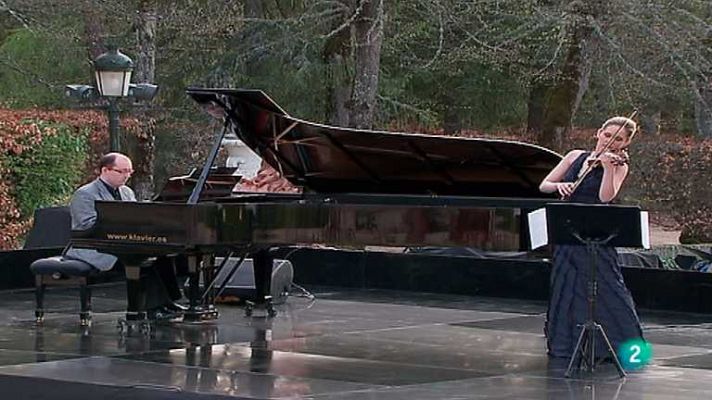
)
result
[(542, 71)]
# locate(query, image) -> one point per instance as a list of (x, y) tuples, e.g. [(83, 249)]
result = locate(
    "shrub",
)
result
[(44, 155), (47, 173)]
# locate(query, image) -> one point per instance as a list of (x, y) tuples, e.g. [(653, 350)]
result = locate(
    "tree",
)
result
[(337, 77), (563, 97), (142, 146), (93, 29), (703, 101), (367, 39), (342, 39)]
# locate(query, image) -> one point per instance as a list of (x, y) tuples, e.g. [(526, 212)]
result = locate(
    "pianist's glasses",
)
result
[(126, 171)]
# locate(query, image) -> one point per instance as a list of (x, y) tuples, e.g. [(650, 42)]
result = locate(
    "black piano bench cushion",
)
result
[(59, 264)]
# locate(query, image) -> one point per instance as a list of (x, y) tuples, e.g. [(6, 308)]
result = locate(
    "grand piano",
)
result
[(360, 188)]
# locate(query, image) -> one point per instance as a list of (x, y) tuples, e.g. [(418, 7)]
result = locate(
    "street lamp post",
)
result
[(113, 109), (113, 80), (113, 75)]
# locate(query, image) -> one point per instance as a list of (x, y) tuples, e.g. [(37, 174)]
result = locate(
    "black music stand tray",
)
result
[(593, 225)]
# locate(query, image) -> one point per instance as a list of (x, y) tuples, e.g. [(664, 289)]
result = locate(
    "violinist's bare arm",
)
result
[(615, 170), (552, 182)]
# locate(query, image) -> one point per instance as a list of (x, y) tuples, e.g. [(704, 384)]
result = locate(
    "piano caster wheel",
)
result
[(123, 326), (126, 327), (145, 328), (269, 308), (39, 317), (85, 319)]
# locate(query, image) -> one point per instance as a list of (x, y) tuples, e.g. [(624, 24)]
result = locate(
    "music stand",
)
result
[(594, 225)]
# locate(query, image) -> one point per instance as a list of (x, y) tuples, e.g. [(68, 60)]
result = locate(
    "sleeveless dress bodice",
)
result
[(587, 192)]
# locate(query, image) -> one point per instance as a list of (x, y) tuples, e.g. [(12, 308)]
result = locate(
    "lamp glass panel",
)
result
[(113, 83)]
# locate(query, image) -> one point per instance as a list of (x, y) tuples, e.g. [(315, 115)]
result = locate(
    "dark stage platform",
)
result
[(359, 344)]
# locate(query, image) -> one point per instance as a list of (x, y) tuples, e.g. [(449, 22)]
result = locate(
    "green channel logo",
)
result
[(635, 354)]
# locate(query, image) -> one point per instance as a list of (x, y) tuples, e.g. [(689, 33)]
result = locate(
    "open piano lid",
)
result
[(330, 159)]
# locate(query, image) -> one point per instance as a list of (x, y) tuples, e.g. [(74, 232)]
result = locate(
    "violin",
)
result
[(618, 158)]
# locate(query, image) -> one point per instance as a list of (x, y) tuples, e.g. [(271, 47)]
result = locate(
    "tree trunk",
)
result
[(452, 123), (142, 146), (589, 48), (368, 36), (338, 80), (540, 82), (339, 90), (146, 19), (535, 106), (561, 100), (93, 31), (703, 110), (252, 38), (703, 102), (254, 9), (649, 121), (558, 109), (669, 120)]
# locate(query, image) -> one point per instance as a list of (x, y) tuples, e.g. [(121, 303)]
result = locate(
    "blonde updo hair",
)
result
[(629, 126)]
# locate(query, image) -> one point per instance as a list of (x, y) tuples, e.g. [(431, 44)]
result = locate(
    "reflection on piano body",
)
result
[(361, 188)]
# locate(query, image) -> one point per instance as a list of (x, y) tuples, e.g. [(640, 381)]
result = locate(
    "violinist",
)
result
[(590, 177), (610, 153)]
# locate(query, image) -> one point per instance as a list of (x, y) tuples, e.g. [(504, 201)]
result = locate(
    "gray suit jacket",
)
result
[(84, 216)]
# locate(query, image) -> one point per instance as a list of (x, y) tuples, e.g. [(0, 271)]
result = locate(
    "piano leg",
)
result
[(208, 292), (262, 263), (135, 294), (136, 318), (208, 277), (194, 282), (198, 310)]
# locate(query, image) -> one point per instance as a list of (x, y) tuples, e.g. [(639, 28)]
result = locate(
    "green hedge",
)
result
[(48, 173)]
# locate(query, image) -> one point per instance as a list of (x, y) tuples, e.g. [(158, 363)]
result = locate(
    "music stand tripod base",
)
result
[(585, 350)]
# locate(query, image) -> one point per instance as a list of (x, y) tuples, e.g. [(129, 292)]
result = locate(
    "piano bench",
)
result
[(60, 271)]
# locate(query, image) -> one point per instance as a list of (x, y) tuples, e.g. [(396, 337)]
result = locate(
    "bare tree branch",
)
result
[(15, 15), (441, 37), (30, 75), (348, 22)]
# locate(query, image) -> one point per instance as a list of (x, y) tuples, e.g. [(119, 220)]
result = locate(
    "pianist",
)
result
[(159, 279)]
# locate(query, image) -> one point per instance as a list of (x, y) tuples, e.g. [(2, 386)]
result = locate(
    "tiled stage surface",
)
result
[(343, 345)]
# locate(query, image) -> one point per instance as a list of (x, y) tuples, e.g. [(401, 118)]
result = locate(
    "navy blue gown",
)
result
[(568, 303)]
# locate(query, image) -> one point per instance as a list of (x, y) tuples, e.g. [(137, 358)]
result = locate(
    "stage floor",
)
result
[(344, 345)]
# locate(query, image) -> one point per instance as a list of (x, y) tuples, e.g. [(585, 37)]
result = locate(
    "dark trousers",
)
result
[(160, 282)]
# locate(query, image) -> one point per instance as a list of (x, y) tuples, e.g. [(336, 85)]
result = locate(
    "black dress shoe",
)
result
[(162, 314), (177, 307)]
